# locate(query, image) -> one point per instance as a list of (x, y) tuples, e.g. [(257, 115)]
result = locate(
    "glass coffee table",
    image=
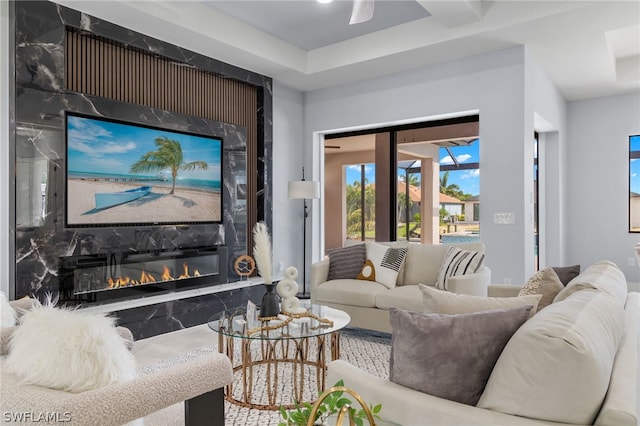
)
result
[(281, 360)]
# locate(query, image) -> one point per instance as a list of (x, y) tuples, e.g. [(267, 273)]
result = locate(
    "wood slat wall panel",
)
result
[(101, 67)]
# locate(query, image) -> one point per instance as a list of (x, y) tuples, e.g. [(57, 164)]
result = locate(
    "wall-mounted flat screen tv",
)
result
[(125, 174)]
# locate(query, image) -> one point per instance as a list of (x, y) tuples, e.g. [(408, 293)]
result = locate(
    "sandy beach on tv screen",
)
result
[(185, 205)]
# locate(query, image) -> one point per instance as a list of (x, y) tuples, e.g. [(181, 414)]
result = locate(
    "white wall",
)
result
[(598, 180), (549, 120), (492, 84), (287, 152), (5, 180)]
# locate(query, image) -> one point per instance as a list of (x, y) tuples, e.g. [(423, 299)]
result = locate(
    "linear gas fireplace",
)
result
[(99, 278)]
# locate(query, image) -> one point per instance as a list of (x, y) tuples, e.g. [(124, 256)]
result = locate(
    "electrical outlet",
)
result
[(280, 266), (631, 262), (507, 281), (504, 218)]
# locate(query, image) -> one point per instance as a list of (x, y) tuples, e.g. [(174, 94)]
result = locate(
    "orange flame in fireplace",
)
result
[(147, 278), (166, 274), (185, 273)]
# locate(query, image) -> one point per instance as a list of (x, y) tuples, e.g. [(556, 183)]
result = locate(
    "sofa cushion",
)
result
[(458, 262), (346, 262), (382, 264), (423, 261), (602, 276), (422, 264), (404, 297), (546, 283), (566, 273), (621, 406), (449, 356), (349, 292), (557, 366), (444, 302)]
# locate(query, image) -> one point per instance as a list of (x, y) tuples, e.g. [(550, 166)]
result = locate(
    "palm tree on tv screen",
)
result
[(167, 156)]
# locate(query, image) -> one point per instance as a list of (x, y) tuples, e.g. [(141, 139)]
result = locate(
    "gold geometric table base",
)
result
[(272, 353)]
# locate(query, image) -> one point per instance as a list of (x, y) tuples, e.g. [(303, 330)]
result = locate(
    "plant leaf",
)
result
[(283, 412), (342, 402), (299, 418)]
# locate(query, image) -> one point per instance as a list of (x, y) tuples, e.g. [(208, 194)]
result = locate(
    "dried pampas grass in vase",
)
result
[(262, 256)]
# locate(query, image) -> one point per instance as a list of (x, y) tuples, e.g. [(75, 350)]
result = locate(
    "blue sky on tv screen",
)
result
[(634, 165), (467, 180), (105, 147)]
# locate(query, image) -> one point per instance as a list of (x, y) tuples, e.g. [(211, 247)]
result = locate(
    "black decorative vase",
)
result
[(270, 306)]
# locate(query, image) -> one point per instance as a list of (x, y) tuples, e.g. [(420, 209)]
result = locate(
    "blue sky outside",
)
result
[(634, 165), (467, 180), (96, 146)]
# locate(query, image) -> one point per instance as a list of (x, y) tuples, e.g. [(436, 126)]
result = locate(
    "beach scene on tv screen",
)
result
[(120, 173)]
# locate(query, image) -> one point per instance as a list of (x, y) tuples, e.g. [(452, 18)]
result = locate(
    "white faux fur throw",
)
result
[(7, 313), (69, 350)]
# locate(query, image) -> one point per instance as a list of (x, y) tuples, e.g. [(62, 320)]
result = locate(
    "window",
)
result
[(383, 184), (460, 192), (408, 200), (361, 213), (634, 183)]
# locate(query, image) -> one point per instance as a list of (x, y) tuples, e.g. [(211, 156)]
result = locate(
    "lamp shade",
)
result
[(304, 189)]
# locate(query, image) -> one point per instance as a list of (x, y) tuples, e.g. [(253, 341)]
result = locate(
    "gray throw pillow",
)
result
[(346, 262), (566, 273), (450, 356)]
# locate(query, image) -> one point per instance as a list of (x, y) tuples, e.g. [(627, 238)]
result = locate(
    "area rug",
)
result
[(363, 348)]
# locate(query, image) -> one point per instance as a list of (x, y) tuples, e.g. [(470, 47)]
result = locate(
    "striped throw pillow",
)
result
[(346, 262), (458, 262), (383, 264)]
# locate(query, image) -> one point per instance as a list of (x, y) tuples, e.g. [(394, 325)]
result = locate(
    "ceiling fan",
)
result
[(362, 11)]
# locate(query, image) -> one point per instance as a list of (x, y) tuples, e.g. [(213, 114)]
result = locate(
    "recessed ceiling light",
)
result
[(324, 1)]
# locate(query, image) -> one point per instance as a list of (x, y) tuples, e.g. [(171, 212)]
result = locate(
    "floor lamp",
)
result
[(304, 190)]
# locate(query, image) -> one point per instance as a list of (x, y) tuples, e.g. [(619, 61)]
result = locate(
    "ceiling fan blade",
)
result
[(362, 11)]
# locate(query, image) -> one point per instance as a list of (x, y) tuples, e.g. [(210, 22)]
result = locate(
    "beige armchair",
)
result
[(198, 382)]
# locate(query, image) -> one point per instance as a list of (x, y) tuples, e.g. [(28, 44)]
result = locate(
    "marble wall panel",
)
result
[(37, 117)]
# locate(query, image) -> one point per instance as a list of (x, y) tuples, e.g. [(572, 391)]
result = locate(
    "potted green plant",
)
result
[(329, 403)]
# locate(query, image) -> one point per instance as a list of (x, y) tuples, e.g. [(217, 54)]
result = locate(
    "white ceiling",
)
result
[(588, 48), (311, 25)]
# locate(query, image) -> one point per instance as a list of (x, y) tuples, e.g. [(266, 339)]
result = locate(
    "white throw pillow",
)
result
[(69, 350), (458, 262), (445, 302), (557, 366), (7, 313), (382, 264)]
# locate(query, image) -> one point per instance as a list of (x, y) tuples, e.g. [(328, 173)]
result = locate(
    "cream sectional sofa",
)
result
[(574, 362), (368, 302)]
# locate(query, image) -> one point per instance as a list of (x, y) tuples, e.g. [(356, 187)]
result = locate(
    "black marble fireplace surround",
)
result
[(105, 277), (42, 242)]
